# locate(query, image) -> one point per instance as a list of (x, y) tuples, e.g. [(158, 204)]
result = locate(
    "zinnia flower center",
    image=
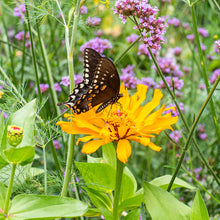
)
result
[(119, 125)]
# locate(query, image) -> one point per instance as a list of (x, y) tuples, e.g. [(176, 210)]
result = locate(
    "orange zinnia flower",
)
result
[(123, 123)]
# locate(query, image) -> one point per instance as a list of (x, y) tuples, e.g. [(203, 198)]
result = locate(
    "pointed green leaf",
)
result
[(3, 191), (99, 199), (101, 176), (163, 182), (20, 155), (131, 203), (24, 117), (162, 205), (41, 206), (199, 210), (3, 162), (133, 215)]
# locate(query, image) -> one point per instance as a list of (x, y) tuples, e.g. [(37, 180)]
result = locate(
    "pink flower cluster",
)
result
[(214, 76), (217, 43), (97, 44), (93, 21), (201, 132), (19, 11), (152, 28)]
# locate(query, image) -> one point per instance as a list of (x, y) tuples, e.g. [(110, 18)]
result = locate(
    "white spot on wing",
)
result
[(95, 81), (81, 85), (86, 69), (87, 65), (86, 75), (86, 81), (76, 91)]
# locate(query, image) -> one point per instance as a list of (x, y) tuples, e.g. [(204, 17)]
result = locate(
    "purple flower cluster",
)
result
[(57, 87), (97, 44), (128, 77), (198, 174), (168, 66), (214, 76), (217, 43), (142, 50), (93, 21), (174, 21), (66, 80), (174, 113), (172, 82), (83, 10), (132, 38), (20, 36), (203, 32), (43, 88), (19, 12), (201, 132), (177, 51), (175, 136), (57, 144), (4, 114), (148, 81), (152, 28)]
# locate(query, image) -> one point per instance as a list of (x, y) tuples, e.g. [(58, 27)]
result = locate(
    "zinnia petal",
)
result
[(123, 150), (154, 146), (92, 146)]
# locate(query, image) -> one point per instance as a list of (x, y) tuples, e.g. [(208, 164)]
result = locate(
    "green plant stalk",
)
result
[(45, 169), (7, 200), (56, 159), (70, 153), (23, 55), (48, 72), (126, 51), (216, 4), (33, 53), (191, 133), (183, 119), (181, 115), (205, 76), (9, 49), (197, 182), (118, 181)]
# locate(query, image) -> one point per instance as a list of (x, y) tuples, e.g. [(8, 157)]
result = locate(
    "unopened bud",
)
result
[(14, 135)]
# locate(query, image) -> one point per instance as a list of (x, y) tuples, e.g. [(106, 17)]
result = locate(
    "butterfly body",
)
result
[(101, 84)]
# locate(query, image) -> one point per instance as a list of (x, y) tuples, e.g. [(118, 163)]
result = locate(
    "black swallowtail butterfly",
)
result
[(101, 84)]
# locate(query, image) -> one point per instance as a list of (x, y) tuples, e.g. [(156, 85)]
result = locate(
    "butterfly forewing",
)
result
[(101, 84)]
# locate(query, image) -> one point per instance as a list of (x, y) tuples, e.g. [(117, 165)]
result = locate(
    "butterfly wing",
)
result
[(104, 89)]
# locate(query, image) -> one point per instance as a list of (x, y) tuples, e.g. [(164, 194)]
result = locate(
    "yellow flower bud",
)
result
[(14, 135)]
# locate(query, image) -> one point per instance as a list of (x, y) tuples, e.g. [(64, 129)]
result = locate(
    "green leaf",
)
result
[(92, 212), (20, 155), (99, 199), (131, 203), (163, 182), (133, 215), (3, 191), (3, 162), (162, 205), (24, 117), (41, 206), (101, 177), (199, 210), (109, 154)]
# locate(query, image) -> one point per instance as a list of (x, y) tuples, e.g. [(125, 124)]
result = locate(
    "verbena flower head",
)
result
[(93, 21), (172, 82), (152, 27), (18, 11), (97, 44), (217, 43), (148, 81), (43, 88), (83, 10), (132, 38), (203, 32), (174, 21), (20, 36), (175, 136), (214, 76), (130, 121)]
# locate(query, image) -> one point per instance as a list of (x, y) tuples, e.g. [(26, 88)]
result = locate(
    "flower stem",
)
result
[(125, 52), (119, 174), (205, 76), (190, 136), (45, 169), (70, 50), (7, 201)]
